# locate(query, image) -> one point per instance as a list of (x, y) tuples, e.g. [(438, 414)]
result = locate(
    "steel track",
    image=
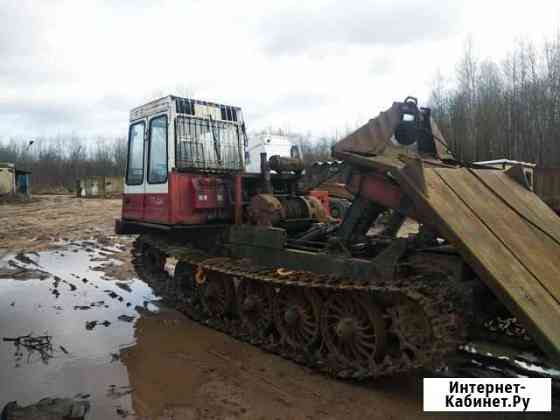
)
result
[(429, 291)]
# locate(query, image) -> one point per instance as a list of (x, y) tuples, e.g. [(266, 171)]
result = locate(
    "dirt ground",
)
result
[(46, 222), (38, 224), (178, 369)]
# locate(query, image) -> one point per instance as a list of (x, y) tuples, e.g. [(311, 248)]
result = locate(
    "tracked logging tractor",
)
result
[(257, 255)]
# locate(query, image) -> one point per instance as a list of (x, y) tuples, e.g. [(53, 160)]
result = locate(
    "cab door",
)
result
[(133, 199), (156, 201)]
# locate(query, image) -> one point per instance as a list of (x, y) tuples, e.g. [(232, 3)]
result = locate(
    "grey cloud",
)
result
[(25, 53), (40, 112), (299, 101), (289, 102), (40, 93), (381, 65), (24, 116), (30, 71), (113, 101), (358, 23), (20, 26)]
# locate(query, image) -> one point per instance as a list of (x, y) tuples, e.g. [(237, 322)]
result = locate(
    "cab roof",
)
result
[(188, 106)]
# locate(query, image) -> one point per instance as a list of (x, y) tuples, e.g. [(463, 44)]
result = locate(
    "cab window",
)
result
[(135, 162), (157, 157)]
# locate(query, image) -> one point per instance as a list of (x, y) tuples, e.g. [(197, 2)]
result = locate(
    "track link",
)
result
[(418, 309)]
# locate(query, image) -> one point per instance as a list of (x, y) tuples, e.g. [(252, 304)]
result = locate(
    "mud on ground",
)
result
[(47, 222), (130, 355), (38, 224)]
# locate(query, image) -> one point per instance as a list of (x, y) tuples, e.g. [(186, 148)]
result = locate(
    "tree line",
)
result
[(488, 109), (56, 163), (510, 108)]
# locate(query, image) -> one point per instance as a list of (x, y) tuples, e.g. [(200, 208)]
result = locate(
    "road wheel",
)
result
[(296, 316), (353, 330), (254, 300), (218, 295)]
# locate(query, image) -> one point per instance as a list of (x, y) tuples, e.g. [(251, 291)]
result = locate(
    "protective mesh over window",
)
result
[(208, 145)]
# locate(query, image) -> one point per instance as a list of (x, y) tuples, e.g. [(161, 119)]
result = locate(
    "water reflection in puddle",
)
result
[(75, 295)]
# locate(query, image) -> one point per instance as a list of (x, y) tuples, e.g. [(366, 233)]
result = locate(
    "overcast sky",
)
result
[(79, 66)]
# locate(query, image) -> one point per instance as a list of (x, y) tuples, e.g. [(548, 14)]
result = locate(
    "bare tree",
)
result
[(503, 109), (59, 161)]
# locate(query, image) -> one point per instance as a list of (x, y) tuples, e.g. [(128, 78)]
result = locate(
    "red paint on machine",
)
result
[(133, 206), (157, 208), (191, 200), (376, 188)]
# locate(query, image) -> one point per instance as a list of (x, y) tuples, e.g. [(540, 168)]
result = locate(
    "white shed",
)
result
[(7, 178)]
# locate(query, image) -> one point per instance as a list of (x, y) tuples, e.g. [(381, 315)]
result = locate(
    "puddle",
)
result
[(486, 359), (106, 344), (75, 295)]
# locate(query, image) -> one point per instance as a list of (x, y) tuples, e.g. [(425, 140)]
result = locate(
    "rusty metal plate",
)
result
[(376, 138)]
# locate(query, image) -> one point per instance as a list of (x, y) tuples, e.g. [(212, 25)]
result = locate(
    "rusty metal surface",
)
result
[(296, 330), (373, 137), (336, 190), (285, 164), (316, 209), (509, 239), (266, 210), (373, 145)]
